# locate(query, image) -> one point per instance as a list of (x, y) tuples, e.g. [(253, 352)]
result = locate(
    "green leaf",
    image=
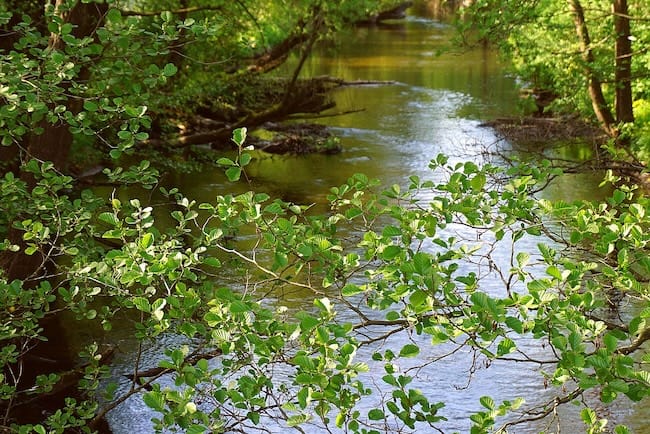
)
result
[(226, 162), (623, 258), (244, 159), (522, 259), (390, 252), (308, 322), (480, 300), (340, 419), (418, 298), (238, 306), (389, 379), (109, 218), (154, 400), (610, 342), (515, 324), (124, 134), (233, 174), (253, 416), (239, 136), (281, 259), (114, 15), (575, 340), (588, 416), (506, 346), (618, 196), (553, 271), (212, 262), (350, 290), (298, 420), (274, 208), (147, 240), (376, 414), (409, 350), (487, 402), (169, 70), (619, 385), (142, 304), (90, 106), (305, 251), (478, 182), (422, 263), (391, 231)]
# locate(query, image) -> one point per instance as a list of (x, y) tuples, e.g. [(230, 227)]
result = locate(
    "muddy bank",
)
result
[(547, 130)]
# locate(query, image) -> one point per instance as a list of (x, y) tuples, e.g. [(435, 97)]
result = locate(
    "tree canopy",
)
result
[(590, 55)]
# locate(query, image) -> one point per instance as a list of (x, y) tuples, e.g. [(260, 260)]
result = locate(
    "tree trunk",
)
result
[(623, 74), (598, 101)]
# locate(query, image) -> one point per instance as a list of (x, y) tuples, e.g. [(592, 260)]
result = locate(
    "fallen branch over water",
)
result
[(325, 115), (307, 101)]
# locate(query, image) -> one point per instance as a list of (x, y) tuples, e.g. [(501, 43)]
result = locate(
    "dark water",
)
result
[(436, 105)]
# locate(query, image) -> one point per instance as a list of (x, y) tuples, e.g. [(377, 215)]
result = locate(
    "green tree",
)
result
[(593, 46), (90, 76)]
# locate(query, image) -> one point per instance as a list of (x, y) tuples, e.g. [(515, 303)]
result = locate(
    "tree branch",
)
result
[(127, 13), (640, 340), (550, 407)]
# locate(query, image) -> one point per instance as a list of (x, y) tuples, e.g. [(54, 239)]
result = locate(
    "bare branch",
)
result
[(548, 408), (643, 337)]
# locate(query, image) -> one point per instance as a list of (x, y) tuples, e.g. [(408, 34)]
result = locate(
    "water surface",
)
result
[(434, 105)]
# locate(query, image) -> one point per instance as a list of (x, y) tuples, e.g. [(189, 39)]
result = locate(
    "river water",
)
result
[(436, 105)]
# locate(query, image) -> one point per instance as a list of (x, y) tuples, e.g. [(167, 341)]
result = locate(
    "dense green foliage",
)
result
[(373, 276), (398, 278), (575, 50)]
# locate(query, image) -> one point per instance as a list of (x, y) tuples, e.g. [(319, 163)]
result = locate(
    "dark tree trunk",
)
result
[(623, 74), (598, 101), (277, 54)]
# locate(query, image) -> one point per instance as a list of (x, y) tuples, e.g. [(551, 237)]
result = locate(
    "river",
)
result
[(436, 105)]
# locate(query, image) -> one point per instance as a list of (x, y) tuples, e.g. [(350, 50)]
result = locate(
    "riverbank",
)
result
[(542, 130)]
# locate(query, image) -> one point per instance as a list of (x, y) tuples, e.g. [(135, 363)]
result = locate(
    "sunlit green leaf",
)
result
[(487, 402), (409, 350)]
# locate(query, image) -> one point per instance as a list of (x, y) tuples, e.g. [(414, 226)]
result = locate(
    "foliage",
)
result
[(382, 267), (397, 280), (640, 131), (541, 41), (142, 60)]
